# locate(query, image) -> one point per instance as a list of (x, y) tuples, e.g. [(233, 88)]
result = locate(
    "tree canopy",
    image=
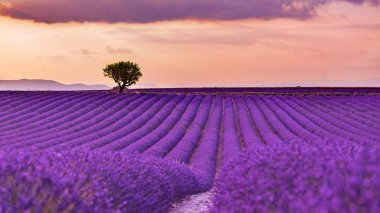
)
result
[(123, 73)]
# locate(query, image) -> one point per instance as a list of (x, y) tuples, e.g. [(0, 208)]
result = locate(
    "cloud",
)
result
[(85, 52), (117, 50), (55, 58), (143, 11)]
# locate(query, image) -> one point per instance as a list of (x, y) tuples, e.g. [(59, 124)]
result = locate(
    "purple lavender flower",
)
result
[(333, 176)]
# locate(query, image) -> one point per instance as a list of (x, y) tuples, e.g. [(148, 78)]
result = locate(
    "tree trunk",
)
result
[(121, 88)]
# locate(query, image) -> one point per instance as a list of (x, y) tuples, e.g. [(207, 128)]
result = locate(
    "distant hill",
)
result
[(40, 84)]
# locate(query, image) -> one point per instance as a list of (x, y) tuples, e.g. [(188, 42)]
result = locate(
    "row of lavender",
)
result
[(319, 176), (84, 181), (177, 127), (265, 90), (292, 177), (204, 132), (108, 121)]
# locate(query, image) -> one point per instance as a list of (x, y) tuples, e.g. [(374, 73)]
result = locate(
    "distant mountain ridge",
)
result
[(41, 84)]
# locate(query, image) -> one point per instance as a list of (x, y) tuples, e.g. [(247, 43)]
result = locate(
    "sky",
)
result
[(194, 42)]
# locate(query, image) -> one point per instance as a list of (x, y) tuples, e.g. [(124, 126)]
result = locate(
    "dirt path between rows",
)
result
[(194, 203)]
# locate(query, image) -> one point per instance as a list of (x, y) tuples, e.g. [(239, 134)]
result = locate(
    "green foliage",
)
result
[(123, 73)]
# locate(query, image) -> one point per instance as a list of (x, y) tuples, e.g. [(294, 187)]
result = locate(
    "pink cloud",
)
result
[(142, 11), (117, 50)]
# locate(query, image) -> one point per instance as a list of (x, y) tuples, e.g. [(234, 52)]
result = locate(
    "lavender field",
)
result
[(258, 151)]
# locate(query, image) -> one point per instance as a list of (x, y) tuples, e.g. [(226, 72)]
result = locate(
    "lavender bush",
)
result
[(300, 177), (82, 181)]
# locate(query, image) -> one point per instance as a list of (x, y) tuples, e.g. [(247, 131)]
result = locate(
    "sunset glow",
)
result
[(308, 43)]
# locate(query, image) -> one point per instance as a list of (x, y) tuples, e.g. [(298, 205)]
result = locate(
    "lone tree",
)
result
[(123, 73)]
